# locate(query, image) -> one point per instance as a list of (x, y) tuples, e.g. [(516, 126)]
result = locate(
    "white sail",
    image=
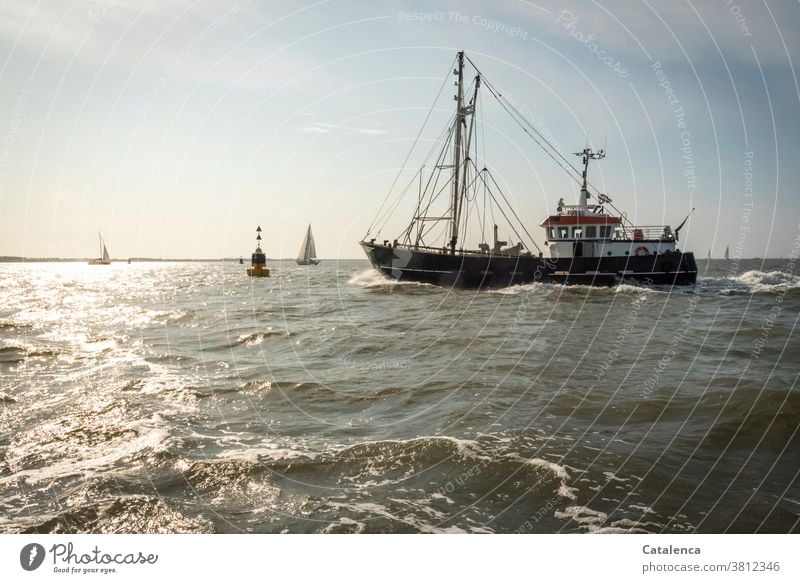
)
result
[(726, 253), (308, 251), (311, 250), (105, 258)]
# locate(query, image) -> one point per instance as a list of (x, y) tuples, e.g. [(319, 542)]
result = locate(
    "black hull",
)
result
[(484, 270)]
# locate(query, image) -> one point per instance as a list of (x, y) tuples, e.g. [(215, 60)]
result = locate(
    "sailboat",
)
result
[(453, 239), (308, 252), (727, 255), (105, 258)]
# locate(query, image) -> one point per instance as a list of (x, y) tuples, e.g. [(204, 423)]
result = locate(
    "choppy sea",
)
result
[(187, 397)]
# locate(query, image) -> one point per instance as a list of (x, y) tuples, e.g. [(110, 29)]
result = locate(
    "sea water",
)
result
[(187, 397)]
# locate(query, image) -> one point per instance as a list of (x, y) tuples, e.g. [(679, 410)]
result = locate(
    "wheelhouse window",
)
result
[(563, 232), (577, 232), (553, 233), (591, 232)]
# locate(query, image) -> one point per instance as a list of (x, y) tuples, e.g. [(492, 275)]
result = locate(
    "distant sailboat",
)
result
[(727, 255), (105, 258), (308, 252)]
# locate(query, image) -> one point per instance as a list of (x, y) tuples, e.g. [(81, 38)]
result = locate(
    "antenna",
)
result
[(587, 154)]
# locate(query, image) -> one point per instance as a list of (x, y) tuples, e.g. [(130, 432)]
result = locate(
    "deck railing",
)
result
[(644, 233), (446, 250)]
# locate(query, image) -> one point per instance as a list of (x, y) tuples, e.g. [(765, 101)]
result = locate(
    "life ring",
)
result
[(641, 251)]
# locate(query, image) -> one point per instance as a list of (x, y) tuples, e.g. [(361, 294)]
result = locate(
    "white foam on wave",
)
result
[(151, 435), (471, 450), (515, 290), (753, 281), (550, 288), (372, 278), (612, 477), (27, 348), (372, 509), (595, 521), (583, 515), (343, 522), (465, 447), (166, 381), (626, 288), (769, 280), (564, 490), (271, 453), (440, 496)]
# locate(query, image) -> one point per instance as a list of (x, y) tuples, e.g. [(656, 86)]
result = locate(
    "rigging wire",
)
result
[(402, 168), (387, 213), (431, 192), (513, 212), (522, 121)]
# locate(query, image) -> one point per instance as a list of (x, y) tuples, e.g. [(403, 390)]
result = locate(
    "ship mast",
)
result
[(587, 155), (460, 150), (459, 121)]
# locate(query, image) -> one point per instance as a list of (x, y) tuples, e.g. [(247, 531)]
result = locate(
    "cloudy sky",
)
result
[(176, 127)]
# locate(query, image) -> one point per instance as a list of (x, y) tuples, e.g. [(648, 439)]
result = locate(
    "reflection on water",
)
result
[(187, 397)]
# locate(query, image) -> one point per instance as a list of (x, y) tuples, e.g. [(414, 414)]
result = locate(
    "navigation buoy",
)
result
[(258, 261)]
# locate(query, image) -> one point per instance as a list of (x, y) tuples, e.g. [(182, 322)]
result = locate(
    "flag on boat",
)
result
[(603, 199)]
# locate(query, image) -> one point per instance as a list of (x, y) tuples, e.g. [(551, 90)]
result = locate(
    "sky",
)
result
[(175, 128)]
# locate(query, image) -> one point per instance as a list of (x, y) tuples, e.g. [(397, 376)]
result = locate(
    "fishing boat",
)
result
[(258, 260), (450, 239), (308, 252), (105, 258)]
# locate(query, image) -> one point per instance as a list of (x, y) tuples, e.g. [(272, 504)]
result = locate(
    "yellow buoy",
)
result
[(258, 261)]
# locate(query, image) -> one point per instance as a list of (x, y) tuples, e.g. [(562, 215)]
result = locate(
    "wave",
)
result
[(256, 338), (66, 449), (121, 515), (13, 325), (764, 419), (561, 289), (12, 354), (754, 281), (597, 522), (16, 352), (424, 484), (222, 480), (749, 282), (514, 290), (372, 278)]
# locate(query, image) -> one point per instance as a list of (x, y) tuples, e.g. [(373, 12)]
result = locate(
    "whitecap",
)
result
[(372, 278), (753, 281)]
